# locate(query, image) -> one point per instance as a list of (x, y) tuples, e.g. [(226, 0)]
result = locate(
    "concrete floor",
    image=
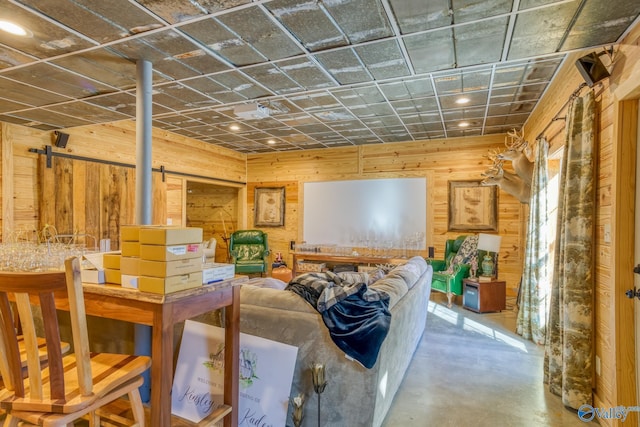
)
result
[(473, 370)]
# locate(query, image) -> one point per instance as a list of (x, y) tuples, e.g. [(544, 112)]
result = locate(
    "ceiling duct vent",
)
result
[(251, 111)]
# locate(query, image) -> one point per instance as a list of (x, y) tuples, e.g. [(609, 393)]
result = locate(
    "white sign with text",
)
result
[(266, 373)]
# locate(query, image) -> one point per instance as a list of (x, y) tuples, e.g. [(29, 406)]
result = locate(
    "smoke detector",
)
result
[(251, 111)]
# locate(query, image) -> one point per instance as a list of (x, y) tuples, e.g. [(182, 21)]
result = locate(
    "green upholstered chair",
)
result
[(249, 251), (449, 280)]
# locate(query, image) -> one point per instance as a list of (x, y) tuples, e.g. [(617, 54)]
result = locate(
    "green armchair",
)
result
[(449, 280), (249, 251)]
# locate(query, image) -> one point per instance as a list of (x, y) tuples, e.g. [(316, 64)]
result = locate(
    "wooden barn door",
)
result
[(83, 197)]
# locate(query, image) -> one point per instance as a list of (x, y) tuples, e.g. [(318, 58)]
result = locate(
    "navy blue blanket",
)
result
[(357, 318)]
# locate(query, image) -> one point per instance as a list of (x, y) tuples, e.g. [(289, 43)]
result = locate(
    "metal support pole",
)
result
[(143, 190)]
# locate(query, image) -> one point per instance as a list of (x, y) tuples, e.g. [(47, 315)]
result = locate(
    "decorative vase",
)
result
[(487, 265)]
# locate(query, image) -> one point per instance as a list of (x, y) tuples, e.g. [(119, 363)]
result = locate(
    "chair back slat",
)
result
[(12, 376), (54, 349), (79, 325), (37, 287), (30, 339)]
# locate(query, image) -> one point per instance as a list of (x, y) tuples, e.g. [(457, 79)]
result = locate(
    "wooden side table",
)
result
[(483, 297)]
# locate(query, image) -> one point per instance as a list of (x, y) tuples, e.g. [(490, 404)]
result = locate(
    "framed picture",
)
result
[(269, 207), (472, 206)]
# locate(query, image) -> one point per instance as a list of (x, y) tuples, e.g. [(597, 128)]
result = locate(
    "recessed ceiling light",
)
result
[(271, 142), (464, 124), (12, 28), (234, 127), (462, 100)]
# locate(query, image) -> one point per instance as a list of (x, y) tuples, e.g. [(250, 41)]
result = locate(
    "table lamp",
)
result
[(490, 243)]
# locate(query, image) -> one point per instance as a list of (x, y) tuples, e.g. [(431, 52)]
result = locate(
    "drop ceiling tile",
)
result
[(510, 108), (334, 115), (372, 110), (371, 22), (541, 30), (90, 112), (281, 107), (255, 27), (142, 48), (181, 10), (472, 10), (46, 39), (52, 118), (359, 96), (299, 119), (422, 128), (22, 93), (57, 80), (309, 22), (241, 85), (478, 98), (104, 66), (11, 58), (102, 21), (209, 87), (23, 122), (410, 119), (315, 101), (209, 116), (273, 78), (225, 43), (464, 114), (405, 89), (515, 120), (416, 15), (459, 133), (344, 66), (306, 73), (346, 125), (8, 105), (384, 59), (381, 121), (601, 22), (431, 51), (264, 124), (480, 43), (462, 81), (179, 97), (416, 105), (312, 128)]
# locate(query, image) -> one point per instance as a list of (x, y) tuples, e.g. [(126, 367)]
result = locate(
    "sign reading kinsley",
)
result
[(266, 373)]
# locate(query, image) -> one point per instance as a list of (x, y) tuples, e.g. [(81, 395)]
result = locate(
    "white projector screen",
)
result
[(348, 213)]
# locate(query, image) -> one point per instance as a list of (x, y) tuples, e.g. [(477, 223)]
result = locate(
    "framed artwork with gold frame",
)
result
[(269, 207), (473, 206)]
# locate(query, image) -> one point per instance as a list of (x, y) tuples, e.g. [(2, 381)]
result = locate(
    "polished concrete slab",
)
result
[(473, 370)]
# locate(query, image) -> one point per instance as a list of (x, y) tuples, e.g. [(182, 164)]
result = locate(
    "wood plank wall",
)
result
[(613, 316), (35, 195), (439, 161)]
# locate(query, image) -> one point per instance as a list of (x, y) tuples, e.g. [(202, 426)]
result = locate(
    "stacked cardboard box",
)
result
[(170, 259), (130, 260), (111, 264)]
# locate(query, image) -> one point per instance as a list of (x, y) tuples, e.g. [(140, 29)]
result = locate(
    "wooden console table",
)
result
[(342, 259), (162, 312)]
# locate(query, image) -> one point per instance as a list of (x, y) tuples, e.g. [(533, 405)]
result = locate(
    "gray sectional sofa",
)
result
[(354, 396)]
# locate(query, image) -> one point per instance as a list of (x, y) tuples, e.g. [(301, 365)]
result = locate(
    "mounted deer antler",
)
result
[(516, 151), (509, 182)]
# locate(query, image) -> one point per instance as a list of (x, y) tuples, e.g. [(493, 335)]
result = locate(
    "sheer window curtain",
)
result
[(535, 285), (569, 343)]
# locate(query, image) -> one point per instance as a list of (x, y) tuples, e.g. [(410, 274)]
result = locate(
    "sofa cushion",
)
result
[(273, 298)]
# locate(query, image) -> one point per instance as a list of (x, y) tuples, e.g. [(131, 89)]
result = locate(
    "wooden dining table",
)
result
[(162, 312)]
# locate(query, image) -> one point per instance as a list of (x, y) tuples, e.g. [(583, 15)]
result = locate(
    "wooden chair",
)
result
[(70, 387)]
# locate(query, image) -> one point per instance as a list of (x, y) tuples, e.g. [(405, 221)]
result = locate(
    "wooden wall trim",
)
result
[(7, 183), (623, 243)]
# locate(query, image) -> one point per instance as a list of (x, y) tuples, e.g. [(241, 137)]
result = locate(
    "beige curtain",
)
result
[(569, 348), (533, 305)]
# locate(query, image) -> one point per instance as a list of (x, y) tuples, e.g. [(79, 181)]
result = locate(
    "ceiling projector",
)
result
[(251, 111)]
